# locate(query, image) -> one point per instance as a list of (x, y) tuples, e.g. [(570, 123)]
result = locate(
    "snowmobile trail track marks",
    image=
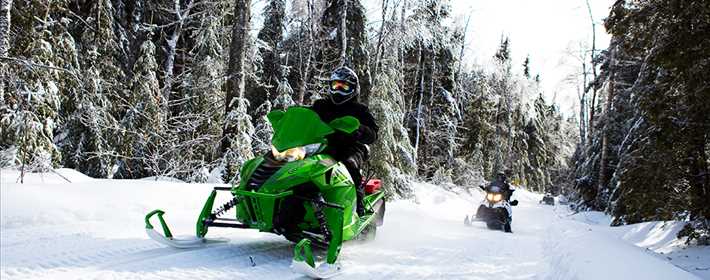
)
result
[(65, 254)]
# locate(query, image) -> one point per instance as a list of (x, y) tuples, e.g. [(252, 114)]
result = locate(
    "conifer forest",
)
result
[(128, 89)]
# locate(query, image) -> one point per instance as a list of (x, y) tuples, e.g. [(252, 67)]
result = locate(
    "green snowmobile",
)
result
[(295, 191)]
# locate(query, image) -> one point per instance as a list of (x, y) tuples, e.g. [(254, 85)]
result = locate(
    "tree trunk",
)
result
[(169, 65), (603, 161), (460, 97), (235, 69), (306, 70), (699, 176), (5, 6), (343, 30), (380, 36), (594, 71), (697, 161), (401, 49), (582, 117), (463, 47), (498, 165), (272, 71), (420, 72)]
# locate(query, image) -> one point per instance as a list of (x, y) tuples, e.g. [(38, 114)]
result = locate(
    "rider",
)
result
[(502, 181), (350, 149)]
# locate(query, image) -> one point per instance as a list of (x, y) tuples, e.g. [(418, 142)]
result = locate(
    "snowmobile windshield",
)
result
[(297, 126), (494, 189)]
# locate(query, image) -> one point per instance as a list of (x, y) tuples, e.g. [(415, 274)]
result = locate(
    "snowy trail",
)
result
[(93, 229)]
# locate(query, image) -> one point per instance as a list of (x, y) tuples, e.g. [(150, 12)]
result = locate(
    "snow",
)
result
[(657, 237), (93, 228)]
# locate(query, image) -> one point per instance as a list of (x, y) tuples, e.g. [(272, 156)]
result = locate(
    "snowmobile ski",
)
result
[(323, 271), (169, 240), (194, 242), (304, 263)]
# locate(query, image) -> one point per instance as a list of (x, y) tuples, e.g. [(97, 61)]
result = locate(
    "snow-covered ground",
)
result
[(88, 229)]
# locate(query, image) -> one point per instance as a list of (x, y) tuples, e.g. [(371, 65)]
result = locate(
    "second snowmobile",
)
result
[(548, 199), (295, 191), (495, 210)]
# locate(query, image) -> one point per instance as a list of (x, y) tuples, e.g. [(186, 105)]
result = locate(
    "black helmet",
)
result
[(501, 176), (343, 85)]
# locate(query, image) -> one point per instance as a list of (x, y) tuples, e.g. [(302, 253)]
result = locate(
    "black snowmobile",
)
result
[(495, 210), (548, 199)]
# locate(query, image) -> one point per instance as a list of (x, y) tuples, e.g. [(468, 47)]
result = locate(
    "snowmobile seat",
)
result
[(372, 186)]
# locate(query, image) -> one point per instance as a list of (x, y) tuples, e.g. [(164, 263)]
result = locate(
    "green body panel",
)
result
[(256, 208), (248, 168)]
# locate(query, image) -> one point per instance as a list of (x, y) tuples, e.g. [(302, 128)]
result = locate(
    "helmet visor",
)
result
[(341, 87)]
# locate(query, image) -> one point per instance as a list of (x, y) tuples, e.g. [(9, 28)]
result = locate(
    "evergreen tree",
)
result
[(238, 129), (344, 39), (142, 120), (392, 156), (654, 107)]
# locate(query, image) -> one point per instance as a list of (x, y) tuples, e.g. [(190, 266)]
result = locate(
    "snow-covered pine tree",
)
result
[(196, 123), (428, 62), (32, 103), (392, 156), (539, 151), (671, 114), (344, 36), (270, 37), (518, 167), (478, 121), (272, 82), (141, 151), (300, 43), (504, 88), (238, 129), (443, 132)]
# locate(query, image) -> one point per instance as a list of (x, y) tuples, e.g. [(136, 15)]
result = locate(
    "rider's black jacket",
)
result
[(366, 134)]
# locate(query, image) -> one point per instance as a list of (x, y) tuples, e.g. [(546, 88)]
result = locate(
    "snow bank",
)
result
[(583, 253), (592, 218), (658, 239), (49, 199)]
